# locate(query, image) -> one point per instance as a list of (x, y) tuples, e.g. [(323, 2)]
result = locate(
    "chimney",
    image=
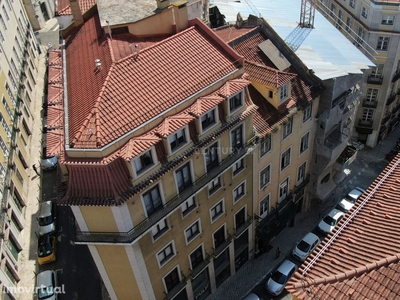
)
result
[(180, 15), (161, 4), (76, 12)]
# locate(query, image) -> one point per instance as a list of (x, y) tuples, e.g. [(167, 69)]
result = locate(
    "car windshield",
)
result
[(278, 277), (350, 199), (45, 246), (329, 220), (45, 292), (303, 246), (45, 221)]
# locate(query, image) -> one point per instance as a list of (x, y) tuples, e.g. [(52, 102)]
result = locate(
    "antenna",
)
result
[(97, 63)]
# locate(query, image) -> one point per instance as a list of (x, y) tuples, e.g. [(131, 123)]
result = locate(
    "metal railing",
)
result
[(375, 79), (369, 103), (177, 288), (243, 227), (200, 267), (221, 247)]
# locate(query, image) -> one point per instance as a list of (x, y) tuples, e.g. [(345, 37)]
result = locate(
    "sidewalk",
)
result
[(363, 171)]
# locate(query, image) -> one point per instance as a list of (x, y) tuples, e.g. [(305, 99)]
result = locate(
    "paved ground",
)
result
[(362, 172)]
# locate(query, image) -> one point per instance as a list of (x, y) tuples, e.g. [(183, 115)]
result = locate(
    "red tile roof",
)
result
[(360, 259), (267, 75), (64, 8), (231, 33), (108, 102)]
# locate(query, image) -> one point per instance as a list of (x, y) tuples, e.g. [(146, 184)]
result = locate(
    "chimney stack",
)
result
[(76, 12)]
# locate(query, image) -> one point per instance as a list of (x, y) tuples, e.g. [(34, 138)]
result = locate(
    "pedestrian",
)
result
[(35, 169), (278, 252)]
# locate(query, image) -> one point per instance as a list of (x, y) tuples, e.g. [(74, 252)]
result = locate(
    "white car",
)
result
[(46, 285), (348, 202), (330, 220), (279, 278), (307, 245), (49, 163), (251, 296)]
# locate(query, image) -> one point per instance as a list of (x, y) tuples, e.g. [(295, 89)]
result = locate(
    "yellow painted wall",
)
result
[(99, 218), (119, 271)]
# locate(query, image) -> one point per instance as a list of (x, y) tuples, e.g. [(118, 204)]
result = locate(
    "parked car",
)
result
[(47, 217), (46, 248), (348, 202), (251, 296), (46, 284), (307, 245), (279, 278), (330, 220), (49, 163)]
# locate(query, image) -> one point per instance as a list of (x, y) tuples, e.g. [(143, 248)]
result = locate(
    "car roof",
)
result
[(251, 296), (356, 192), (45, 208), (310, 238), (44, 278), (335, 213), (286, 266)]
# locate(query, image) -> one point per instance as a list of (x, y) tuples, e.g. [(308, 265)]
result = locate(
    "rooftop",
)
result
[(360, 258), (64, 7)]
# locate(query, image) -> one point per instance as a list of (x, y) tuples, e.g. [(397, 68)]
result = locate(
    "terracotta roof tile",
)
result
[(370, 267), (137, 145), (173, 123), (64, 8), (267, 75), (231, 33), (204, 104), (231, 87)]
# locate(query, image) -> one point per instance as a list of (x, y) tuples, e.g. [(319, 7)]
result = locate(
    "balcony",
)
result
[(176, 289), (200, 267), (243, 227), (365, 123), (396, 75), (143, 227), (385, 119), (375, 79), (390, 99), (221, 247), (369, 103)]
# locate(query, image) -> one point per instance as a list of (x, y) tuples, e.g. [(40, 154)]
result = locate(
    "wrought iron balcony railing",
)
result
[(369, 103), (176, 289), (221, 247), (396, 76), (144, 226), (200, 267), (365, 123), (243, 227), (390, 99), (374, 79)]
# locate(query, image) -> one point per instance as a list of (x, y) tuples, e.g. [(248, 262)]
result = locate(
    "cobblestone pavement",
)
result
[(362, 172)]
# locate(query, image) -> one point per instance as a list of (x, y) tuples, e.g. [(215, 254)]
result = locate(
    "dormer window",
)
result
[(177, 139), (143, 162), (208, 119), (284, 92), (235, 102)]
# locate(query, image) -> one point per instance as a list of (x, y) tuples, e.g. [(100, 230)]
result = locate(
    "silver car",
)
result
[(279, 278), (47, 217), (46, 285), (348, 202), (307, 245)]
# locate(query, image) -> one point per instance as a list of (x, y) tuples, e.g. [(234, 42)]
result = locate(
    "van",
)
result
[(47, 217)]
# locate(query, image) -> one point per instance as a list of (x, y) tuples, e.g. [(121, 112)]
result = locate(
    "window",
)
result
[(235, 102), (348, 24), (217, 210), (387, 20), (214, 185), (383, 42), (333, 11), (208, 120), (143, 162), (367, 114), (166, 254), (3, 24), (192, 231), (196, 257), (239, 192), (177, 139), (352, 3), (364, 12), (360, 37), (188, 206), (237, 167), (5, 125), (159, 229), (372, 95), (283, 189), (172, 279), (307, 113), (287, 128), (211, 155), (304, 142), (283, 92), (219, 237), (3, 146), (264, 206), (152, 201), (5, 13), (265, 176), (183, 177), (339, 22), (237, 138), (265, 145), (2, 37), (301, 173), (285, 159), (377, 71), (2, 171), (240, 218)]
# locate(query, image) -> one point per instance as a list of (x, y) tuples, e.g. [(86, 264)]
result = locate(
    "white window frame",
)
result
[(304, 143), (283, 190), (178, 269), (218, 149), (263, 213), (284, 92), (225, 234), (214, 185), (352, 3), (231, 111), (190, 164), (238, 211), (383, 43), (221, 204), (265, 145), (243, 136), (170, 245), (287, 128), (349, 23), (160, 191), (301, 172), (364, 12), (195, 249), (160, 233), (262, 179), (188, 209), (307, 113), (189, 227), (235, 169), (148, 167), (236, 198), (283, 156), (172, 137), (387, 19), (211, 125)]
